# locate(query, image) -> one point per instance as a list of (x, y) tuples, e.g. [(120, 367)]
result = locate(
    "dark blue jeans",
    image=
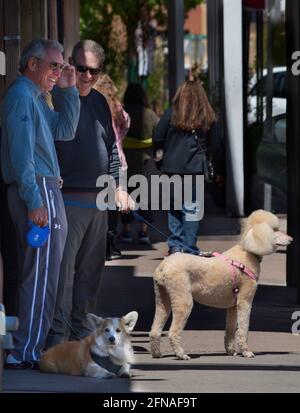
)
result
[(184, 226)]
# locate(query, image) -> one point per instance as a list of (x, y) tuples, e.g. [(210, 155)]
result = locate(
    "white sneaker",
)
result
[(10, 359)]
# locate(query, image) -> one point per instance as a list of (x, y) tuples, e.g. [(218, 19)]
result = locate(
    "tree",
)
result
[(113, 24)]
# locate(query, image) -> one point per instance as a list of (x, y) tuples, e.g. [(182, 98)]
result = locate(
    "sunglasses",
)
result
[(54, 65), (84, 69)]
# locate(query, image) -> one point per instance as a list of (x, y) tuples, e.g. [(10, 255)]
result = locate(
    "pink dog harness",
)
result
[(234, 265)]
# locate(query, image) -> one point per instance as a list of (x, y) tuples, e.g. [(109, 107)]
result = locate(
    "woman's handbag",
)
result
[(208, 166), (154, 164), (208, 172)]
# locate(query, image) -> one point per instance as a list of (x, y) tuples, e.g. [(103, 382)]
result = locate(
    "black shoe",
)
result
[(125, 237), (23, 365), (112, 252), (143, 238), (172, 251)]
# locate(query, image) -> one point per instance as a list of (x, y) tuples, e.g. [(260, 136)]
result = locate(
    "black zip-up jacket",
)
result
[(93, 151), (182, 153)]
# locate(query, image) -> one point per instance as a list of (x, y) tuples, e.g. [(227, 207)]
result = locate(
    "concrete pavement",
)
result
[(127, 285)]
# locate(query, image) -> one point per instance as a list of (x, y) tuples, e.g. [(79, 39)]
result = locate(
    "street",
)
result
[(127, 285)]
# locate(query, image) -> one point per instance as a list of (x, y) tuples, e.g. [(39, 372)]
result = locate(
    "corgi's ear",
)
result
[(130, 320), (94, 320)]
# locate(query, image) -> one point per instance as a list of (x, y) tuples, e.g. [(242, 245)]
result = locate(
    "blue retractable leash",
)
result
[(37, 236), (135, 215)]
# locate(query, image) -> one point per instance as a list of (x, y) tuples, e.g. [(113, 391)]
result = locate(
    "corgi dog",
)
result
[(106, 353)]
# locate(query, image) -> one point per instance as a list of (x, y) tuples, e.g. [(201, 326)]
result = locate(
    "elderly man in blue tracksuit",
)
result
[(30, 168)]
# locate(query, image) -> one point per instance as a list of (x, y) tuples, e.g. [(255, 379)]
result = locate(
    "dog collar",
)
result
[(106, 363)]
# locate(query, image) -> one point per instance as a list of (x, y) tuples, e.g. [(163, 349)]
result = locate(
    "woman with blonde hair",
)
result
[(120, 118), (182, 134), (121, 124)]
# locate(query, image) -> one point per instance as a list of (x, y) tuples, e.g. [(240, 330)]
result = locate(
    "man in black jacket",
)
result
[(92, 154)]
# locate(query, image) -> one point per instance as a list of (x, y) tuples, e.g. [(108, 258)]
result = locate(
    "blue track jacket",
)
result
[(29, 128)]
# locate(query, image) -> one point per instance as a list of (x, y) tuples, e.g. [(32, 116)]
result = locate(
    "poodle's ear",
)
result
[(258, 239)]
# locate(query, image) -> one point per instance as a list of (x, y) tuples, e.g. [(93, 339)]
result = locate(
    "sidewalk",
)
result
[(127, 285)]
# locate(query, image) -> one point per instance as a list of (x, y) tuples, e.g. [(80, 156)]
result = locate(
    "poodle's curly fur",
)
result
[(182, 278)]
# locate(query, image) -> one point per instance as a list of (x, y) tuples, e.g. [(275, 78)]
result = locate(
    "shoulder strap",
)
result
[(200, 140)]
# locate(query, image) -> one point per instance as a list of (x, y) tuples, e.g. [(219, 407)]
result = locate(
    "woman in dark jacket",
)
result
[(183, 135), (137, 148)]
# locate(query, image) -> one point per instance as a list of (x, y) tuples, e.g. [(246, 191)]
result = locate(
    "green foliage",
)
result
[(279, 48), (191, 4), (96, 22), (279, 44), (157, 80)]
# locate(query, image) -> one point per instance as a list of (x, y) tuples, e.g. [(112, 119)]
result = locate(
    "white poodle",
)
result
[(181, 278)]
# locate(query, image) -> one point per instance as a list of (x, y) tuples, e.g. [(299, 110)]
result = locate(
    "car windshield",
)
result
[(279, 86)]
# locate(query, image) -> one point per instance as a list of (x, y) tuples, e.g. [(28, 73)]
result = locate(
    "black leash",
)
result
[(141, 219), (138, 217), (69, 324)]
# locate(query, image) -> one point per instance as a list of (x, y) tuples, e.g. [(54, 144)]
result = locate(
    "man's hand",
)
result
[(39, 216), (67, 78), (124, 201)]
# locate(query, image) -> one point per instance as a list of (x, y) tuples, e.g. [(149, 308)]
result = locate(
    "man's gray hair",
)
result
[(90, 46), (37, 48)]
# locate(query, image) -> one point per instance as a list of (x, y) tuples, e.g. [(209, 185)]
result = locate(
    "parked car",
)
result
[(279, 94), (271, 154)]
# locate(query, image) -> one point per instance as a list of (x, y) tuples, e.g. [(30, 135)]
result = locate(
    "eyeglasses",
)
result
[(84, 69), (54, 65)]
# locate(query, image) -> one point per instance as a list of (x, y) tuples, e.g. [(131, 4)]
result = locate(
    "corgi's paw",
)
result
[(126, 375), (108, 375)]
